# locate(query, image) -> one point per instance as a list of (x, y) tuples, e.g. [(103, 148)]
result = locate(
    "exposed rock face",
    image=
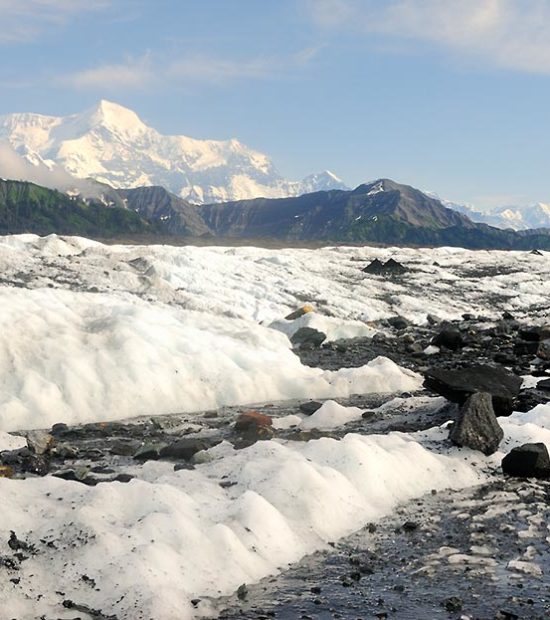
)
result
[(457, 385), (477, 427), (531, 460)]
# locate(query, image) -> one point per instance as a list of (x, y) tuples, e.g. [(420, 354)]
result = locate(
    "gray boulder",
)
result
[(477, 427), (308, 338)]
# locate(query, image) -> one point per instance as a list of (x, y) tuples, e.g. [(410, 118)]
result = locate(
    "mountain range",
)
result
[(383, 212), (111, 144)]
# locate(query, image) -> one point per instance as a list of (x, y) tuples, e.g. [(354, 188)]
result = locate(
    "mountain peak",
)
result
[(112, 115)]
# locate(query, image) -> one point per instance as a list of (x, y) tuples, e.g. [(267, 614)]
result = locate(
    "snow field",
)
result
[(166, 538)]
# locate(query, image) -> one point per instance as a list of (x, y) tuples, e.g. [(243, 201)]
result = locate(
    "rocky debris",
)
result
[(310, 407), (390, 267), (25, 461), (254, 426), (477, 427), (531, 460), (448, 337), (185, 449), (544, 384), (299, 312), (457, 385), (308, 338)]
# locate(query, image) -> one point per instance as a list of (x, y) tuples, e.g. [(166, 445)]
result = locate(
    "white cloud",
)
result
[(513, 34), (133, 74), (24, 20), (188, 69)]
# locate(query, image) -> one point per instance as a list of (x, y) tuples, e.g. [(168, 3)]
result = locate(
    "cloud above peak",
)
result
[(509, 34)]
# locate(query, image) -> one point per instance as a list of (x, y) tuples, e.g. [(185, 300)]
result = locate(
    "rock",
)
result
[(536, 252), (449, 337), (457, 385), (299, 312), (308, 338), (507, 316), (390, 267), (525, 347), (59, 429), (477, 427), (543, 350), (242, 592), (398, 322), (24, 461), (39, 442), (531, 334), (544, 332), (254, 425), (148, 452), (453, 604), (310, 407), (432, 320), (376, 267), (393, 267), (6, 471), (531, 460), (185, 449), (544, 384)]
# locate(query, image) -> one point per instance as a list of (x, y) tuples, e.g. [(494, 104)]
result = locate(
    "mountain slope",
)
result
[(382, 211), (26, 207), (111, 144), (177, 216)]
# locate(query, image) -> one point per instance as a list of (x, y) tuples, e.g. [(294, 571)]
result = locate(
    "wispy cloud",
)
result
[(187, 69), (24, 20), (131, 74), (512, 34)]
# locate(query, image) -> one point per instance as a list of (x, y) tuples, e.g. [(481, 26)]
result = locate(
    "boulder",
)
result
[(531, 334), (477, 427), (375, 267), (299, 312), (254, 425), (185, 449), (457, 385), (398, 322), (531, 460), (544, 384), (310, 407), (448, 337), (308, 338)]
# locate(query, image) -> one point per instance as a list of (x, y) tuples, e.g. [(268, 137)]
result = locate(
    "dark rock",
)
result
[(453, 603), (544, 385), (525, 347), (477, 427), (398, 322), (242, 592), (467, 316), (123, 478), (59, 429), (310, 407), (392, 266), (376, 267), (449, 337), (507, 316), (308, 338), (531, 460), (457, 385), (24, 461), (185, 449), (410, 526), (532, 334), (432, 320), (536, 252)]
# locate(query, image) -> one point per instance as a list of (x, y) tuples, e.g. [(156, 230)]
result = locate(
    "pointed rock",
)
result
[(477, 427)]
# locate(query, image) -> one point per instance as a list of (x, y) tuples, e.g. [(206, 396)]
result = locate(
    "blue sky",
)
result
[(452, 97)]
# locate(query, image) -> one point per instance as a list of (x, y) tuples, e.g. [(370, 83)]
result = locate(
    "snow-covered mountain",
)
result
[(517, 218), (111, 144)]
